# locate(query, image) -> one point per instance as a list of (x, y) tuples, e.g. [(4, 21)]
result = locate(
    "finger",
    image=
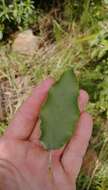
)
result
[(83, 100), (60, 178), (75, 150), (26, 117), (35, 136)]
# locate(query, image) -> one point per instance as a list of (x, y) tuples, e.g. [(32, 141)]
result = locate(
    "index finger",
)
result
[(27, 115), (75, 150)]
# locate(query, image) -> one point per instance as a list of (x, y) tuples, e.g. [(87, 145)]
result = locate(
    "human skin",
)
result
[(24, 163)]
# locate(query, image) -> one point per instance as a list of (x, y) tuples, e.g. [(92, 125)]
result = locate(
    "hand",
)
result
[(24, 164)]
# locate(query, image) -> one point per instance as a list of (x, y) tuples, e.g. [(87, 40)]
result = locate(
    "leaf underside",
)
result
[(60, 112)]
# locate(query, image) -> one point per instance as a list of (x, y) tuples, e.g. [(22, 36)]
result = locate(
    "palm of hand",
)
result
[(23, 158), (27, 162)]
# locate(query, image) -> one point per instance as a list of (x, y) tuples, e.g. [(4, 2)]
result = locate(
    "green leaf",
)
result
[(60, 112)]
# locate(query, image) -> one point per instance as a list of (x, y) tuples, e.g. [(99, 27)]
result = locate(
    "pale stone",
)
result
[(26, 43)]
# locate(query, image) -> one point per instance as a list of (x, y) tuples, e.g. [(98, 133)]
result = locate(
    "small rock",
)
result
[(1, 35), (26, 43)]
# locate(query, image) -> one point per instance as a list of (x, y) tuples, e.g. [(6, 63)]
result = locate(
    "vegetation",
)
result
[(14, 16), (78, 39)]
